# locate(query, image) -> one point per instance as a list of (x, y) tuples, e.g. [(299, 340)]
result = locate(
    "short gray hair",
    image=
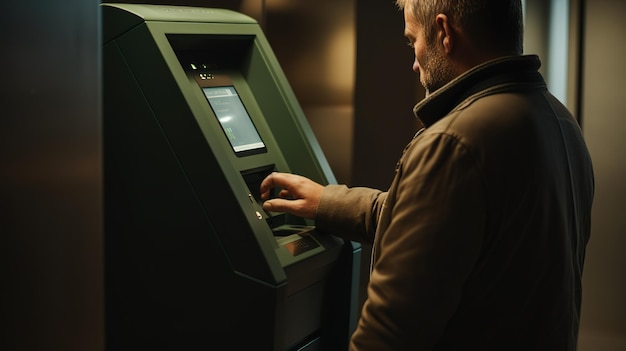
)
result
[(492, 25)]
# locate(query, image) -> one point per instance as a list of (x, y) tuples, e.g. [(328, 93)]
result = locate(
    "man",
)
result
[(479, 242)]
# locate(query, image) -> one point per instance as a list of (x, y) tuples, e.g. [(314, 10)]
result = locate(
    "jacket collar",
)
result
[(512, 69)]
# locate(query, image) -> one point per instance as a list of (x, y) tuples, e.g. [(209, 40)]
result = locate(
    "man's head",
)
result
[(451, 36)]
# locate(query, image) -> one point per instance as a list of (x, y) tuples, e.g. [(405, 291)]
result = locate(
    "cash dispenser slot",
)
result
[(282, 224)]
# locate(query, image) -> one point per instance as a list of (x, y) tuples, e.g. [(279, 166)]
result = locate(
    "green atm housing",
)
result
[(196, 112)]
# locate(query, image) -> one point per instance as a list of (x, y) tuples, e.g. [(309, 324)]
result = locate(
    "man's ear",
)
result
[(446, 33)]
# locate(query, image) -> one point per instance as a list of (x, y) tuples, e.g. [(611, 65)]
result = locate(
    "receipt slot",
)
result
[(196, 112)]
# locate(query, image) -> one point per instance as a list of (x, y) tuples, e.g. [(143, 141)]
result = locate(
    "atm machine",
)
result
[(196, 112)]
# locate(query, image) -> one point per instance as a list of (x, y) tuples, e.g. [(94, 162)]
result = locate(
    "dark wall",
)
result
[(50, 182), (363, 128), (603, 320), (386, 89)]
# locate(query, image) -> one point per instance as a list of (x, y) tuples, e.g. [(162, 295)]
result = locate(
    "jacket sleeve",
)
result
[(430, 237), (350, 213)]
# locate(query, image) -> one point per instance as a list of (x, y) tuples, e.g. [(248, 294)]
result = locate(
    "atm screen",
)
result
[(234, 119)]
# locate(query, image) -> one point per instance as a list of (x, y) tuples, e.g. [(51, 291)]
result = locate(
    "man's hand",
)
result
[(299, 196)]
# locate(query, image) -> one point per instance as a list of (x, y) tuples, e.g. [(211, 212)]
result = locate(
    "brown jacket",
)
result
[(479, 242)]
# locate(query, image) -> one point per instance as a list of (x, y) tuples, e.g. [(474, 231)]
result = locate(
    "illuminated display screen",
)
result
[(234, 119)]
